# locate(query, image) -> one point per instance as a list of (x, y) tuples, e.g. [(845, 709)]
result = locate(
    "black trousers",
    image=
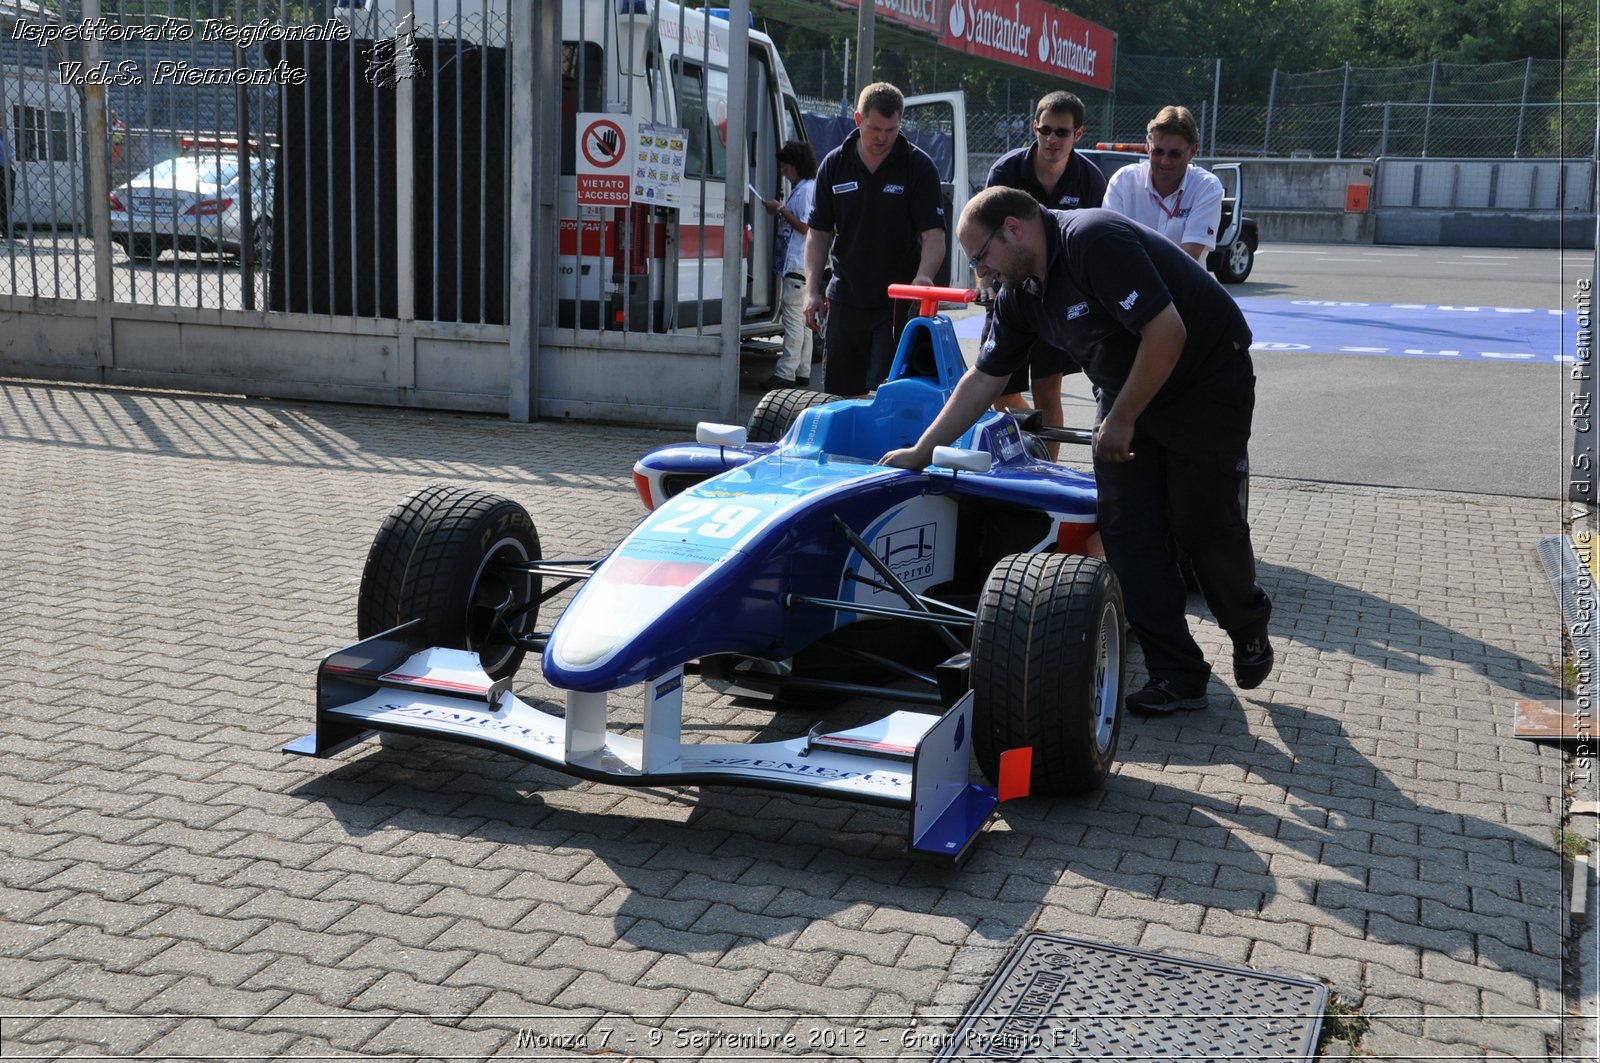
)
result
[(1164, 500), (860, 344), (5, 201)]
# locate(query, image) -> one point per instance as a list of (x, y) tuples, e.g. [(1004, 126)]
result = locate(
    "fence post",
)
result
[(844, 79), (1008, 114), (1427, 116), (735, 200), (1272, 96), (1522, 112), (1344, 100), (866, 16), (99, 182), (1383, 138), (1216, 106)]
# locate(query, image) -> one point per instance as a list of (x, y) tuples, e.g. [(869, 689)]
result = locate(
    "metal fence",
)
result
[(249, 196), (339, 152), (1529, 108)]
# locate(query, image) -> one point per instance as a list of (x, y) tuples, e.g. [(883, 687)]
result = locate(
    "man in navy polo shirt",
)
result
[(1058, 177), (879, 218), (1168, 352)]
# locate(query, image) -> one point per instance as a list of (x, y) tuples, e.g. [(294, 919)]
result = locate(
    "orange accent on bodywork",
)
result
[(1082, 540), (641, 484), (1016, 773)]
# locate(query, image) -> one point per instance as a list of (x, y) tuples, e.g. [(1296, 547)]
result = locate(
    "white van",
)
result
[(663, 64)]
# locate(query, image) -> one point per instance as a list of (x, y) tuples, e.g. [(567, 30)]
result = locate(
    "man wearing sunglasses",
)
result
[(1167, 191), (1168, 353), (1059, 178)]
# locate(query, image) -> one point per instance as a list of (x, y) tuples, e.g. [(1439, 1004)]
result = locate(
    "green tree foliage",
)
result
[(1254, 37)]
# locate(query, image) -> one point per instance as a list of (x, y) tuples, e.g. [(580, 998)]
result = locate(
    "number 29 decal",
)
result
[(722, 520)]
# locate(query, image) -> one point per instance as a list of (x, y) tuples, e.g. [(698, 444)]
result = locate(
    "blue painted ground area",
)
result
[(1399, 330)]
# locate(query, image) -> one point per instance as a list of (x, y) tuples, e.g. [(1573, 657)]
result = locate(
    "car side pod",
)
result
[(918, 761)]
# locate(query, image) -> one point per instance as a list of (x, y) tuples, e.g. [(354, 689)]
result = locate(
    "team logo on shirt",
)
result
[(1068, 202), (1077, 310), (848, 186), (894, 190), (1127, 304)]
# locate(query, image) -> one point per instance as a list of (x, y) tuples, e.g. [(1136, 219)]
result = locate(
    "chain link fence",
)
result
[(1529, 108)]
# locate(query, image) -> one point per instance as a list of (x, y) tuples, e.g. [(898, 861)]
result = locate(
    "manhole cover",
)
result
[(1061, 998)]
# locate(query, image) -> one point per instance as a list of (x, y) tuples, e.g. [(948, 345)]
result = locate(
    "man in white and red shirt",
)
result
[(1168, 192)]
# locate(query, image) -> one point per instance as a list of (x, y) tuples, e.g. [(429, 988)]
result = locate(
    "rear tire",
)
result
[(439, 556), (776, 411), (1047, 669), (1235, 261)]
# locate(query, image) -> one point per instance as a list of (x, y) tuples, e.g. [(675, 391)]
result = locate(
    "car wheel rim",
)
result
[(1107, 677), (1240, 256), (495, 591)]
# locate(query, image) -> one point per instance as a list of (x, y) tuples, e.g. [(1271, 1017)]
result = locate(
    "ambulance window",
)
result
[(41, 135), (793, 125), (703, 110), (592, 62)]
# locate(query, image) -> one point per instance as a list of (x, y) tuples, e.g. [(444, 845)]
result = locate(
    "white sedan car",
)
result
[(194, 202)]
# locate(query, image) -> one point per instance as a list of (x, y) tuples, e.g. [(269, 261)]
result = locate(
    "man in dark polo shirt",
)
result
[(1050, 171), (1168, 353), (879, 217)]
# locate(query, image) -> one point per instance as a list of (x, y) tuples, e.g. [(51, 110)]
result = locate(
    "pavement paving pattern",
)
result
[(173, 885)]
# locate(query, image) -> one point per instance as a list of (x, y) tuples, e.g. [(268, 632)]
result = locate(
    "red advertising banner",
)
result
[(1034, 35), (918, 14), (1028, 33)]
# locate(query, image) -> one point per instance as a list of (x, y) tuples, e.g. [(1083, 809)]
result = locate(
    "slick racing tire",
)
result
[(441, 556), (776, 410), (1048, 654)]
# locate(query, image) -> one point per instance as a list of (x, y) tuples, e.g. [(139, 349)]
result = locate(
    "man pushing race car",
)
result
[(1168, 352)]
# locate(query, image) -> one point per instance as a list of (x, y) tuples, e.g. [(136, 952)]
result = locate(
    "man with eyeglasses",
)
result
[(1167, 191), (1059, 178), (1168, 353)]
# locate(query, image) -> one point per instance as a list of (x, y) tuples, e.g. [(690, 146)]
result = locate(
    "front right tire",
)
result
[(447, 555), (1048, 669)]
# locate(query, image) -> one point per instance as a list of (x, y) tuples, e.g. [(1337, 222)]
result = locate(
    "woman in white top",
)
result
[(798, 164)]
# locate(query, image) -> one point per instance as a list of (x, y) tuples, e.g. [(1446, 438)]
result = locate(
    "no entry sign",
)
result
[(605, 144)]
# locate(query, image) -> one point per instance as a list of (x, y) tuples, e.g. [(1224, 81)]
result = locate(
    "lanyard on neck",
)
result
[(1177, 204)]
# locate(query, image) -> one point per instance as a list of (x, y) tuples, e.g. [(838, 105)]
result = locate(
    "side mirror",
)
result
[(722, 435), (966, 460)]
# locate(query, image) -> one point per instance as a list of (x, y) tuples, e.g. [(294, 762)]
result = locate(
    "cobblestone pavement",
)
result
[(174, 886)]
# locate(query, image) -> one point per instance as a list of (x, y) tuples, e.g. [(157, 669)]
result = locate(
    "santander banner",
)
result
[(1032, 34), (918, 14)]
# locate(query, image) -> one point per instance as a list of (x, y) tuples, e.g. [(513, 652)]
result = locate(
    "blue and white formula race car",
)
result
[(776, 560)]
